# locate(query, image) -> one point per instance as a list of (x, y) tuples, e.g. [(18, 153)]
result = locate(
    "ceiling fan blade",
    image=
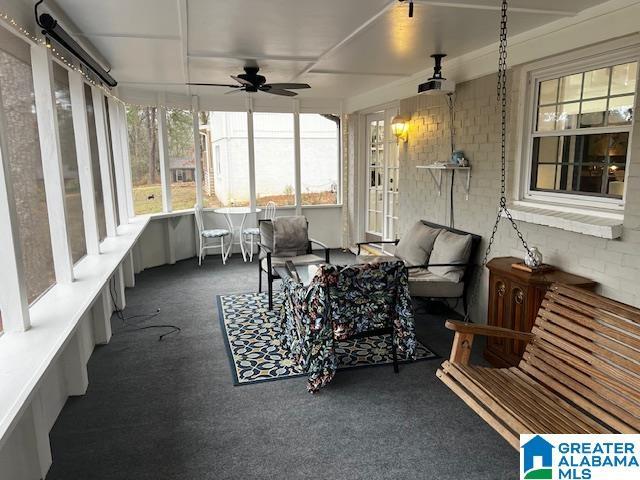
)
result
[(289, 86), (278, 91), (213, 85), (242, 81), (240, 89)]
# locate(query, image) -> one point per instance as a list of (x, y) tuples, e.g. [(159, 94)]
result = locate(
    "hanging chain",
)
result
[(501, 91)]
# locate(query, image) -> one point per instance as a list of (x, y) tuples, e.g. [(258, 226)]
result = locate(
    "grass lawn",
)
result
[(148, 198)]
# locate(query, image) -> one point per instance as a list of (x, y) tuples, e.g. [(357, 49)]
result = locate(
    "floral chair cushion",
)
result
[(341, 302)]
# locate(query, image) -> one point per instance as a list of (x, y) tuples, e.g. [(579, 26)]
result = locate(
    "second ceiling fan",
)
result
[(250, 81)]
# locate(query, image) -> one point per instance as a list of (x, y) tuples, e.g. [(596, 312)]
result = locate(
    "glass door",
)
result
[(391, 192), (374, 225)]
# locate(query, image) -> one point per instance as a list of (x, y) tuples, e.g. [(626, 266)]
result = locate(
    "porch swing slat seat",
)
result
[(580, 372)]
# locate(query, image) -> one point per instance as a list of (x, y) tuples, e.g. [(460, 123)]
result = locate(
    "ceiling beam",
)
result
[(475, 6), (346, 39), (183, 26), (364, 74), (245, 56)]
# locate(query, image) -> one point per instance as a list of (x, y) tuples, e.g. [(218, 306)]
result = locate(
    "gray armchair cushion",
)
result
[(416, 245), (423, 283), (450, 248), (290, 236)]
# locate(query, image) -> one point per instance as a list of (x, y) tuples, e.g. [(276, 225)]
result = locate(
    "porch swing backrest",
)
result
[(586, 349)]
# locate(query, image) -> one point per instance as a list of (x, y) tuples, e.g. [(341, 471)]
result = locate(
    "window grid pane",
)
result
[(95, 164), (319, 158), (182, 164)]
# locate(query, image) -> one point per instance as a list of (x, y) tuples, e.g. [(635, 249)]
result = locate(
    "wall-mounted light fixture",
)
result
[(400, 127)]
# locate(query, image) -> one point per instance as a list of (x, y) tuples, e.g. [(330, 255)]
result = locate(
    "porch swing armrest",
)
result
[(465, 332), (487, 331)]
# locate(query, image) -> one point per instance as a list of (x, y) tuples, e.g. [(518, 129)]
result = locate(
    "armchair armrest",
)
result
[(465, 332), (394, 242), (321, 245)]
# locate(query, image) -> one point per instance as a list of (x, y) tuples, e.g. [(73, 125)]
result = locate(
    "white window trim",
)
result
[(611, 53)]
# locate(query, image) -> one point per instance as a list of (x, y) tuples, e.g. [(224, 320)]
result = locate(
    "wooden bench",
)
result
[(580, 372)]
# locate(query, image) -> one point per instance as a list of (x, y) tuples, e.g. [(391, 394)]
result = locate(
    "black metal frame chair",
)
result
[(469, 267), (270, 271)]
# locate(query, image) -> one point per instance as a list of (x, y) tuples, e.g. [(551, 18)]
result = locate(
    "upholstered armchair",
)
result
[(285, 239), (343, 303)]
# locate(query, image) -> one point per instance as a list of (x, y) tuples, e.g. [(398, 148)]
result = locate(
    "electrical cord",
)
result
[(120, 314)]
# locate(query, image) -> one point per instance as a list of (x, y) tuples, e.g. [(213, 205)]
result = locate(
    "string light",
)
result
[(38, 40)]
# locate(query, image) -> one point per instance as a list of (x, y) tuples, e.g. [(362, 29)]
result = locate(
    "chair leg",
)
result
[(222, 252), (259, 277), (242, 249), (200, 253), (394, 352), (251, 250), (270, 287)]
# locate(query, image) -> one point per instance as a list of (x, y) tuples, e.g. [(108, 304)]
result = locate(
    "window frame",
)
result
[(553, 69)]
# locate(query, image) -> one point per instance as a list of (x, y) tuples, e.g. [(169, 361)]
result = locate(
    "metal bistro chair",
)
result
[(252, 235), (205, 236)]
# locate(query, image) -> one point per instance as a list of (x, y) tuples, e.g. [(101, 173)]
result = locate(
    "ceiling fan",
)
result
[(250, 81)]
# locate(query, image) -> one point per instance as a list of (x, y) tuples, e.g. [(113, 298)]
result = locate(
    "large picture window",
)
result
[(581, 131), (275, 157), (142, 127), (182, 160), (225, 159), (73, 202), (25, 164), (319, 158)]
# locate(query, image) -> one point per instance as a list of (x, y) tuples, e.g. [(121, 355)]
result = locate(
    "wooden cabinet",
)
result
[(514, 299)]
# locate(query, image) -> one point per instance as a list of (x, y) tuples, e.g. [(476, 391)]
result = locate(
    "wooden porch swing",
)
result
[(580, 372)]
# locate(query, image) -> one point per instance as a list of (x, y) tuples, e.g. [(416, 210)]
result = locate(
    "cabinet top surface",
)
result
[(502, 265)]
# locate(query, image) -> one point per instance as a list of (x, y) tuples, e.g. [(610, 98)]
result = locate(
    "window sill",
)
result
[(587, 222), (25, 357)]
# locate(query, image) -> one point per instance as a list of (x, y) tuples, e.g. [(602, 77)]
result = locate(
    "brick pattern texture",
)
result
[(615, 264)]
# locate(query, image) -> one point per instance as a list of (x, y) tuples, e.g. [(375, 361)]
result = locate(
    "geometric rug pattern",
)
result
[(252, 338)]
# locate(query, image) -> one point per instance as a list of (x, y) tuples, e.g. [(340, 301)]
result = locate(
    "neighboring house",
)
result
[(228, 155), (182, 169)]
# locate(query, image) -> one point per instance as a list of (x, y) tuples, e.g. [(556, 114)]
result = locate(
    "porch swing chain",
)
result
[(502, 208)]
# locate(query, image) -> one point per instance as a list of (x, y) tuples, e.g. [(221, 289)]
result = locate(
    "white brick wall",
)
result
[(615, 264)]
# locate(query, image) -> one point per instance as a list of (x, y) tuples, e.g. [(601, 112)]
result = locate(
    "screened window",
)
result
[(73, 202), (319, 158), (112, 163), (182, 160), (142, 127), (95, 163), (581, 135), (25, 164), (225, 166), (274, 157)]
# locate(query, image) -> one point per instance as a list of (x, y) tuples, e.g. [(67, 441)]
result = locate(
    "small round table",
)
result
[(236, 232)]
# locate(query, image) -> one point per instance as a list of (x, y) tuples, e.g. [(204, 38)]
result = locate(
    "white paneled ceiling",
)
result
[(341, 47)]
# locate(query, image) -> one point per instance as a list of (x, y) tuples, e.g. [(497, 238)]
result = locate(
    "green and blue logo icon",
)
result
[(537, 459)]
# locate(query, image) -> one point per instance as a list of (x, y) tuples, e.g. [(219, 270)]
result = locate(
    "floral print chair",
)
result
[(343, 303)]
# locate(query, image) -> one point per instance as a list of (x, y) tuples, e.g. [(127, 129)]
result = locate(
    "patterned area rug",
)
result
[(252, 337)]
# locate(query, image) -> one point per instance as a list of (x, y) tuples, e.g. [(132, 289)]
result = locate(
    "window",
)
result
[(319, 158), (182, 160), (581, 132), (375, 174), (25, 164), (274, 157), (73, 202), (142, 127), (95, 163), (112, 163), (225, 133)]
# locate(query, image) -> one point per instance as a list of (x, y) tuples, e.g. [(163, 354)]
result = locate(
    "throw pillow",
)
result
[(415, 246), (450, 248)]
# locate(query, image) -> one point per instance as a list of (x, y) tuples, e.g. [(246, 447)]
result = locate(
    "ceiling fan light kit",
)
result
[(251, 82)]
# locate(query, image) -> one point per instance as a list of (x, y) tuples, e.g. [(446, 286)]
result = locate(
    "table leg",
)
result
[(244, 253), (233, 234)]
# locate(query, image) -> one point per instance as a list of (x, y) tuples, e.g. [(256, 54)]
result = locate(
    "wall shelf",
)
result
[(442, 167)]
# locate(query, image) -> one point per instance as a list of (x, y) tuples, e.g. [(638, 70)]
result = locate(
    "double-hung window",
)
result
[(580, 137)]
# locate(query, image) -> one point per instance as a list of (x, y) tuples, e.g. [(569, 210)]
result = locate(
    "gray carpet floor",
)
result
[(168, 410)]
